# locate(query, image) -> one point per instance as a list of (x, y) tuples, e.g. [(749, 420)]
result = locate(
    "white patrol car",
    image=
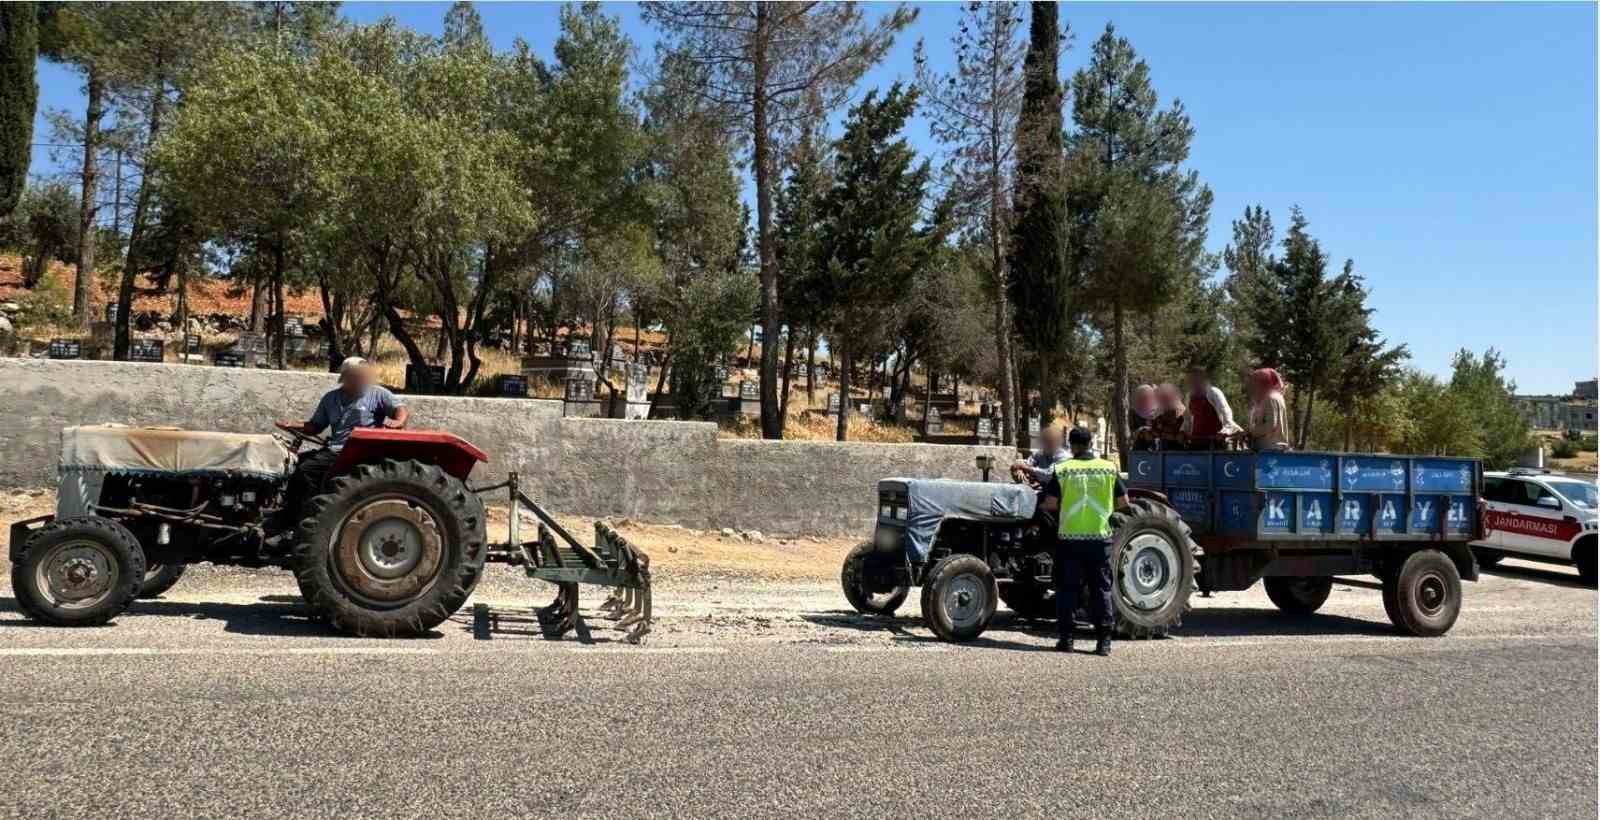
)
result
[(1541, 516)]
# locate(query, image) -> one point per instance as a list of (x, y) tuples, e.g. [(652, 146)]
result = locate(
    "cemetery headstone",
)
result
[(146, 350), (933, 423), (227, 358), (577, 349), (579, 390), (66, 349), (985, 429), (251, 341), (111, 313), (638, 383), (425, 379), (749, 391), (191, 343), (512, 386), (833, 404), (294, 325), (1034, 424)]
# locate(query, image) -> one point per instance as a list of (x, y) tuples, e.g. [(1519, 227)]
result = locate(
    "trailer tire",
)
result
[(1298, 596), (415, 553), (959, 597), (158, 578), (1423, 594), (852, 577), (1154, 562), (80, 571)]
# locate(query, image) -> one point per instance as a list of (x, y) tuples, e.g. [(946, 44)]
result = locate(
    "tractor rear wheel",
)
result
[(78, 572), (857, 588), (158, 578), (1298, 596), (391, 550), (1154, 561)]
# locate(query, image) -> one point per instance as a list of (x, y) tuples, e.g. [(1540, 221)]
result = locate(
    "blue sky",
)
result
[(1448, 148)]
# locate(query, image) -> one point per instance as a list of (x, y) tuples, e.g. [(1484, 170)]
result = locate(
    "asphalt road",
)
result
[(222, 700)]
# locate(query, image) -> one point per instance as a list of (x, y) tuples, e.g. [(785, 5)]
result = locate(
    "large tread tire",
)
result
[(852, 579), (459, 516), (1146, 515), (1029, 600), (1423, 594), (1298, 596), (118, 546), (158, 578), (956, 574)]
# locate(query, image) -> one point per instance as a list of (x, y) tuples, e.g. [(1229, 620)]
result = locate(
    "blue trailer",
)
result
[(1296, 519)]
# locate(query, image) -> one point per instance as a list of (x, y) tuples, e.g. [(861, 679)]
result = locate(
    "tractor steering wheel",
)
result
[(300, 436)]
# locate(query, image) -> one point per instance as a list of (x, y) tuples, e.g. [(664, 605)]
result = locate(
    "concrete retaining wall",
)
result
[(659, 471)]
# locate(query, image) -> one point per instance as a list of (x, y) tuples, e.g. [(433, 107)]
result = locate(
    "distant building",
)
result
[(1574, 412)]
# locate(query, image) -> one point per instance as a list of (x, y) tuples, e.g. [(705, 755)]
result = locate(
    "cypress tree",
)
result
[(19, 94)]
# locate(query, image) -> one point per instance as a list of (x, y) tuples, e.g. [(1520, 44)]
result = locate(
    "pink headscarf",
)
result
[(1267, 379)]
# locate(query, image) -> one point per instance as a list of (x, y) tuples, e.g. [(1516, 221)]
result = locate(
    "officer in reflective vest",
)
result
[(1084, 493)]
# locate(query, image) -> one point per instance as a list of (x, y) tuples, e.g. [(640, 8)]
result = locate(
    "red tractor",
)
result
[(392, 546)]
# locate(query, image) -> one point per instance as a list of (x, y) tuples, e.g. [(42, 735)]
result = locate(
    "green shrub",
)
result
[(1587, 444), (1562, 448)]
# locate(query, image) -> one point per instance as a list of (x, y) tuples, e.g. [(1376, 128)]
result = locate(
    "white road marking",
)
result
[(849, 650), (62, 651), (1291, 640), (650, 650)]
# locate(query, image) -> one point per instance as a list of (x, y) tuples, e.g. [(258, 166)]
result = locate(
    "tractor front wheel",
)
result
[(959, 597), (78, 572), (392, 550), (858, 587)]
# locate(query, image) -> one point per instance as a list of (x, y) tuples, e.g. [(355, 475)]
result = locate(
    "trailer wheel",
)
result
[(392, 550), (78, 572), (1298, 596), (1423, 596), (1029, 600), (853, 578), (1154, 561), (959, 597), (158, 578)]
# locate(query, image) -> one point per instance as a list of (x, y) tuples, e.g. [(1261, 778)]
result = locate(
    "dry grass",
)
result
[(808, 424)]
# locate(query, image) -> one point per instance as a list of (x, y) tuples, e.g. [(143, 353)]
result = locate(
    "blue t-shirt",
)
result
[(342, 414)]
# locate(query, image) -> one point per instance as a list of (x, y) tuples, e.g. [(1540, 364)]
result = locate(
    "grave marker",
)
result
[(426, 379), (146, 350)]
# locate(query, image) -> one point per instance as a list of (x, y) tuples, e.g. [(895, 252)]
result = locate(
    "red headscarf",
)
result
[(1268, 379)]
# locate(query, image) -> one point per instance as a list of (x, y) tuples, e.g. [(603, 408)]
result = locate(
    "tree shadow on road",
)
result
[(272, 615)]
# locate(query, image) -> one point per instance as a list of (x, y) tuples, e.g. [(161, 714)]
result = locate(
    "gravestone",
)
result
[(578, 349), (1034, 424), (833, 404), (66, 349), (191, 343), (749, 391), (933, 423), (511, 386), (251, 342), (426, 379), (578, 400), (986, 434), (227, 358), (294, 325), (638, 384), (146, 350), (111, 313)]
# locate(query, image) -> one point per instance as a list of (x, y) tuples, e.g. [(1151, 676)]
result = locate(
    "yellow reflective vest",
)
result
[(1088, 491)]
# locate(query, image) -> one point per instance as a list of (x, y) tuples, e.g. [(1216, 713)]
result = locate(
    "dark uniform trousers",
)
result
[(1075, 560), (310, 473)]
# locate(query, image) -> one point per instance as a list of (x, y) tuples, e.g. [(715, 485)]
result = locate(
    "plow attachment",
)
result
[(557, 557)]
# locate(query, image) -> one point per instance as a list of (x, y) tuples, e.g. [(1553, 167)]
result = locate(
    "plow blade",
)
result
[(557, 557)]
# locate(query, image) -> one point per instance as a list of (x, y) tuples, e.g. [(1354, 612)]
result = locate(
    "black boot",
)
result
[(1064, 643), (1102, 643)]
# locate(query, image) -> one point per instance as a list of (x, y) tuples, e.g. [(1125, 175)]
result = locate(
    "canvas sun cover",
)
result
[(89, 453), (164, 450), (931, 500)]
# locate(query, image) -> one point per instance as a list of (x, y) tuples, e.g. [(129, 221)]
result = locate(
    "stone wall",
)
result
[(659, 471)]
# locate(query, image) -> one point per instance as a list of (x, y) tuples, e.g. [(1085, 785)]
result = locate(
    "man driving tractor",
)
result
[(356, 402)]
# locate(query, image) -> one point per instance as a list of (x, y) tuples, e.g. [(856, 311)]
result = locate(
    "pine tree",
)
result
[(764, 61), (975, 113), (1136, 220)]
